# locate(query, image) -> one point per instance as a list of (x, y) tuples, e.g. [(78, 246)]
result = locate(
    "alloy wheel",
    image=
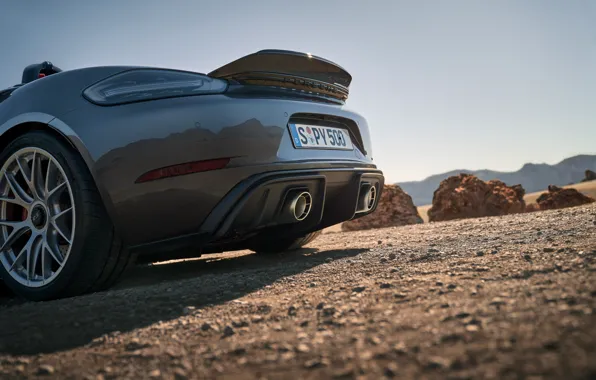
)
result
[(37, 217)]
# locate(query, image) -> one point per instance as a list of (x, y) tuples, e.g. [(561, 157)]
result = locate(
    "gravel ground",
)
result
[(508, 298)]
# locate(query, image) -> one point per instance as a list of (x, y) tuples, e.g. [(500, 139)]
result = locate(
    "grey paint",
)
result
[(120, 143)]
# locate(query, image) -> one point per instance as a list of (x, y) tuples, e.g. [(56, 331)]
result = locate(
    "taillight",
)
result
[(151, 84)]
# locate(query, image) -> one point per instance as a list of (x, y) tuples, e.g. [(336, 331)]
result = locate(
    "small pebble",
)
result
[(45, 369), (228, 331), (205, 326)]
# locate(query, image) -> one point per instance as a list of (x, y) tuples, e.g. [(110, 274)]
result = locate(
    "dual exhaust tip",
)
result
[(298, 203)]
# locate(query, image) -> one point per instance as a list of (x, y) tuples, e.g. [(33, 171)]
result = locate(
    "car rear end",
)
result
[(263, 146)]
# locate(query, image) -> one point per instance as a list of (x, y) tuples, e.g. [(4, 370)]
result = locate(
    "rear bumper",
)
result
[(255, 206)]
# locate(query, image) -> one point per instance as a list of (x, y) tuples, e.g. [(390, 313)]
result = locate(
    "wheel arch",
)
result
[(61, 131)]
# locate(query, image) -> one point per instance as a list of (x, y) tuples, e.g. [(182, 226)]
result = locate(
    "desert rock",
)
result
[(395, 209), (590, 176), (466, 196), (558, 197)]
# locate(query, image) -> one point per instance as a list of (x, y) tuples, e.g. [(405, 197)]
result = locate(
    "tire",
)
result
[(267, 245), (94, 257)]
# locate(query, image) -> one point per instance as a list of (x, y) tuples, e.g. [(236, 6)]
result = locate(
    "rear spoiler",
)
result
[(288, 69)]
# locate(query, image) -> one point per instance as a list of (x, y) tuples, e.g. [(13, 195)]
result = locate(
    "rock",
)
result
[(302, 348), (292, 310), (395, 208), (558, 197), (385, 285), (45, 370), (466, 196), (437, 363), (135, 344), (548, 249), (359, 289), (155, 374), (240, 323), (228, 331), (532, 207), (188, 310), (392, 256), (205, 326), (314, 363), (590, 176), (179, 374), (257, 319), (480, 253), (391, 370)]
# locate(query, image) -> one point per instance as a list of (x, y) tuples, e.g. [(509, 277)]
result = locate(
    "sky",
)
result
[(443, 84)]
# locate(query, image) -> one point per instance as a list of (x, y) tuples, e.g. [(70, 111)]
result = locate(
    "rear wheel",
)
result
[(270, 245), (56, 239)]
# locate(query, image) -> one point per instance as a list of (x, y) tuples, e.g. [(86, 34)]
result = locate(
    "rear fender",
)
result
[(71, 137)]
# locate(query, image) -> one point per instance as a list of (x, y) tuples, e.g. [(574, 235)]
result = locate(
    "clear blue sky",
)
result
[(444, 84)]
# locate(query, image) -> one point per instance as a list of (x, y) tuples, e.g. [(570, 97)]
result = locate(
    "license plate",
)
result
[(317, 137)]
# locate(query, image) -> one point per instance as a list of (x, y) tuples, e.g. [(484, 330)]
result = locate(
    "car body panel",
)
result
[(120, 143)]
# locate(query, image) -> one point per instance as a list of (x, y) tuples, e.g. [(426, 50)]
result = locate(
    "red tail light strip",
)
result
[(183, 169)]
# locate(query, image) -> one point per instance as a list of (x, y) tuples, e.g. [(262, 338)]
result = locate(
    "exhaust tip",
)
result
[(370, 198), (301, 205), (367, 198)]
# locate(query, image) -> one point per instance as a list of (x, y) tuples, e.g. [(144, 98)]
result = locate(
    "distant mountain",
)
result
[(533, 177)]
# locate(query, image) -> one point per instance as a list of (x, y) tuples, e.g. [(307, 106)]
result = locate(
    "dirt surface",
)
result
[(505, 297)]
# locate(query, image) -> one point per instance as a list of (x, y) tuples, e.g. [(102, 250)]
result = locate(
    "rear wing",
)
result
[(288, 69)]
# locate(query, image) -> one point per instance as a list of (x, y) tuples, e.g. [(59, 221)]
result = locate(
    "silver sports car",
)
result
[(103, 167)]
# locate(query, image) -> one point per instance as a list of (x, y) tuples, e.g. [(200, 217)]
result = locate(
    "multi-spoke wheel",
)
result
[(55, 237), (37, 214)]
